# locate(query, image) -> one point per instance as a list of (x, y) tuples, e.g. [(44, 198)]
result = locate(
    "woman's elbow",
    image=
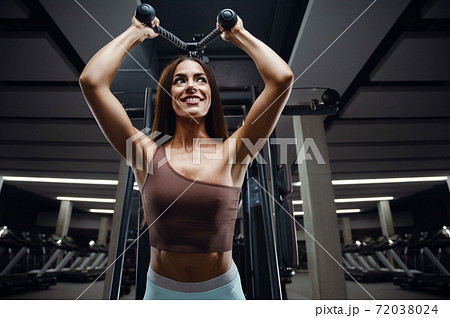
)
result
[(287, 78), (87, 81), (283, 79), (84, 80)]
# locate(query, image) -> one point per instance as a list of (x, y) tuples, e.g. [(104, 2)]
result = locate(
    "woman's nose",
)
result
[(191, 87)]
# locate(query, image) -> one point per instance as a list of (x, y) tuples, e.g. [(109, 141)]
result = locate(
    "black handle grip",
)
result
[(227, 19), (145, 13)]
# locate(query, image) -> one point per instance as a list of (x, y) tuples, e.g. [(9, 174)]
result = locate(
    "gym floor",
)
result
[(298, 289)]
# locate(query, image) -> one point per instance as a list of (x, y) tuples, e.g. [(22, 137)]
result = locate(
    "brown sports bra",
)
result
[(185, 215)]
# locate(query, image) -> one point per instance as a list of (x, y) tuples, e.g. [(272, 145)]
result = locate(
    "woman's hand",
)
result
[(230, 35), (147, 32)]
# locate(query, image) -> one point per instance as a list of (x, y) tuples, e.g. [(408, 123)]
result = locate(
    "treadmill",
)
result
[(11, 280), (89, 264), (439, 281)]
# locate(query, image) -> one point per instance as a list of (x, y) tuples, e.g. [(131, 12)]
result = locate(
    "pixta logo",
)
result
[(141, 147)]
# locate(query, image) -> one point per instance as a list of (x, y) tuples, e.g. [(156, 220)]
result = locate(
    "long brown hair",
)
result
[(165, 119)]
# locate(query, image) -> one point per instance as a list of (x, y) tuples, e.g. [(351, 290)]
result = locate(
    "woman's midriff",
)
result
[(189, 267)]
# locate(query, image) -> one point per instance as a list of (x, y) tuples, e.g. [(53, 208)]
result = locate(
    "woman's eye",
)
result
[(179, 81)]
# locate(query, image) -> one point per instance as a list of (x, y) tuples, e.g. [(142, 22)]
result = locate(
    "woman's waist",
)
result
[(200, 241), (190, 267)]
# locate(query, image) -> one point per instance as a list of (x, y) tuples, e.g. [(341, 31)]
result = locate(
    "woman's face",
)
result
[(191, 93)]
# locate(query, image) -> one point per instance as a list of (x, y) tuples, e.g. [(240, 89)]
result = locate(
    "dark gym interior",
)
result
[(387, 148)]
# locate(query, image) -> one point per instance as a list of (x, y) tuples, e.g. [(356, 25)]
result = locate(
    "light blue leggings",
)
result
[(224, 287)]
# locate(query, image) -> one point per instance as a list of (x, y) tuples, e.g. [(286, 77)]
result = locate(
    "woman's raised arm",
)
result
[(96, 79), (266, 110)]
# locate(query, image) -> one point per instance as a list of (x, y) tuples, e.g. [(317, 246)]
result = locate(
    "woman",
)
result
[(190, 207)]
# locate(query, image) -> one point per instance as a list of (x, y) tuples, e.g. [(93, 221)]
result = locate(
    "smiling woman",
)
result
[(190, 87), (190, 208), (188, 77)]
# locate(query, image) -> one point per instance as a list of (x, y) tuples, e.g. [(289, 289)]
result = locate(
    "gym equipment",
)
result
[(85, 268), (54, 241), (89, 264), (286, 233), (263, 275), (388, 245), (357, 257), (363, 267), (119, 257), (439, 280), (328, 106), (226, 18), (15, 278)]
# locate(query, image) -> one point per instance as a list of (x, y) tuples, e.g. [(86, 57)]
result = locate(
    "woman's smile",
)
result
[(191, 90), (192, 100)]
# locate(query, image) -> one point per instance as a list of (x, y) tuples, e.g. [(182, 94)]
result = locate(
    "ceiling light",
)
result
[(363, 199), (348, 211), (387, 180), (337, 211), (382, 180), (101, 211), (86, 199), (372, 199), (61, 180)]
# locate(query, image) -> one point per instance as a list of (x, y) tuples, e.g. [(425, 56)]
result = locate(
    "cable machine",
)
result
[(270, 248)]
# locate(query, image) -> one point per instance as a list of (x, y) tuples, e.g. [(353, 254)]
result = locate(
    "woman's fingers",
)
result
[(155, 22), (229, 35), (219, 27), (147, 31)]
